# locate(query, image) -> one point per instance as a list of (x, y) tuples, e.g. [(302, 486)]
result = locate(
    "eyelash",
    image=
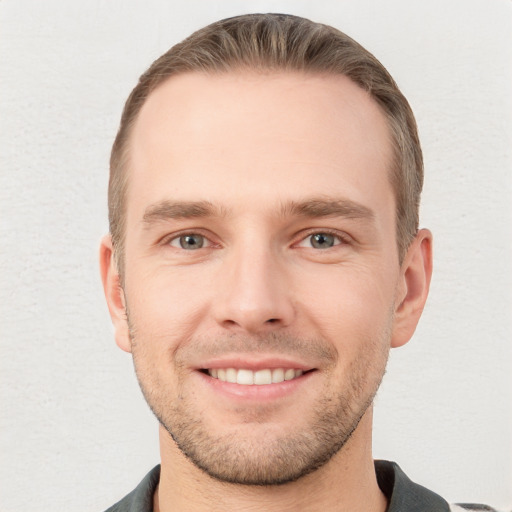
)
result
[(342, 238), (176, 236)]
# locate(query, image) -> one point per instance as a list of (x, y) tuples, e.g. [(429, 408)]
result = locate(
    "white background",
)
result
[(75, 434)]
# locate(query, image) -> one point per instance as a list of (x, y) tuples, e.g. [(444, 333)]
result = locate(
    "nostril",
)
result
[(271, 320)]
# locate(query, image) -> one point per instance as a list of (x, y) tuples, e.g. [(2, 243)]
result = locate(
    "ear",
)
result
[(415, 275), (114, 293)]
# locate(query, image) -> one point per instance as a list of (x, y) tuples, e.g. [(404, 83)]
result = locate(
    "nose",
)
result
[(253, 293)]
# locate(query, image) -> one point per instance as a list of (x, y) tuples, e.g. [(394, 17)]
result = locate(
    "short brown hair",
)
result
[(288, 43)]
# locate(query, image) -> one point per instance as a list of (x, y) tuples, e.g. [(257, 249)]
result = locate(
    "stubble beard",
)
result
[(270, 457)]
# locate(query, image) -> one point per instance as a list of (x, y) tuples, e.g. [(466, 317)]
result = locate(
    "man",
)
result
[(264, 257)]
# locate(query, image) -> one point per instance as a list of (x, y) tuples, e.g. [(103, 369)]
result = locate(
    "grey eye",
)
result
[(191, 242), (322, 240)]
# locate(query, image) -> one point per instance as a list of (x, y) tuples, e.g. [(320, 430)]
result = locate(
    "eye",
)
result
[(320, 241), (189, 242)]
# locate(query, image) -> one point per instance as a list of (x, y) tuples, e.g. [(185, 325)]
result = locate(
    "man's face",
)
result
[(260, 246)]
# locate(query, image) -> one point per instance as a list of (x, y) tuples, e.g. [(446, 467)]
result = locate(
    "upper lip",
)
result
[(254, 364)]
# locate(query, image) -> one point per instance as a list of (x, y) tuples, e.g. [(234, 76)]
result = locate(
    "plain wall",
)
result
[(75, 433)]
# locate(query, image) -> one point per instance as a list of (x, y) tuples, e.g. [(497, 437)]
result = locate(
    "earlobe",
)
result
[(114, 293), (413, 290)]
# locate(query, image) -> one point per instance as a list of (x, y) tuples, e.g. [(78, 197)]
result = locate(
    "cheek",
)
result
[(166, 303), (355, 298)]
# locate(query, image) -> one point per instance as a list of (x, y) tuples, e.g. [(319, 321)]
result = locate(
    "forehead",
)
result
[(230, 136)]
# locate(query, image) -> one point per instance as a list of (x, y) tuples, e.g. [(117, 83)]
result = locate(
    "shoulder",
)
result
[(405, 495), (141, 498), (475, 507)]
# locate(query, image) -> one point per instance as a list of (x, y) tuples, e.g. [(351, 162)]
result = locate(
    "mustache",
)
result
[(273, 343)]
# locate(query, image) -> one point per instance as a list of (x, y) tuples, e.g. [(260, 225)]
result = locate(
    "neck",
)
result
[(346, 483)]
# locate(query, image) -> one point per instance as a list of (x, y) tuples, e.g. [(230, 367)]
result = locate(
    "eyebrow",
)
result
[(327, 207), (312, 208), (168, 210)]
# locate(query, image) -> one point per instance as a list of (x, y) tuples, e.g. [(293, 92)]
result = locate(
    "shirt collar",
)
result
[(403, 494)]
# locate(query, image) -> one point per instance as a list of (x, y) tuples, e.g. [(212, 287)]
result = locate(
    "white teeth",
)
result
[(231, 375), (277, 375), (259, 378), (289, 374), (245, 377), (263, 377)]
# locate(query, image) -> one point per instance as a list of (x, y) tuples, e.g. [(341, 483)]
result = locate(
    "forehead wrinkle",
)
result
[(168, 210), (327, 207)]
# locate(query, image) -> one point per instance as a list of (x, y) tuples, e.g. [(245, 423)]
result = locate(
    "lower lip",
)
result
[(260, 393)]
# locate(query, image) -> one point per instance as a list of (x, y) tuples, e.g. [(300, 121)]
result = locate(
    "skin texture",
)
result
[(253, 166)]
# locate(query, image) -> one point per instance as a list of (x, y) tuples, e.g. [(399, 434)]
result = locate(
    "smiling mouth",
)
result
[(254, 378)]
